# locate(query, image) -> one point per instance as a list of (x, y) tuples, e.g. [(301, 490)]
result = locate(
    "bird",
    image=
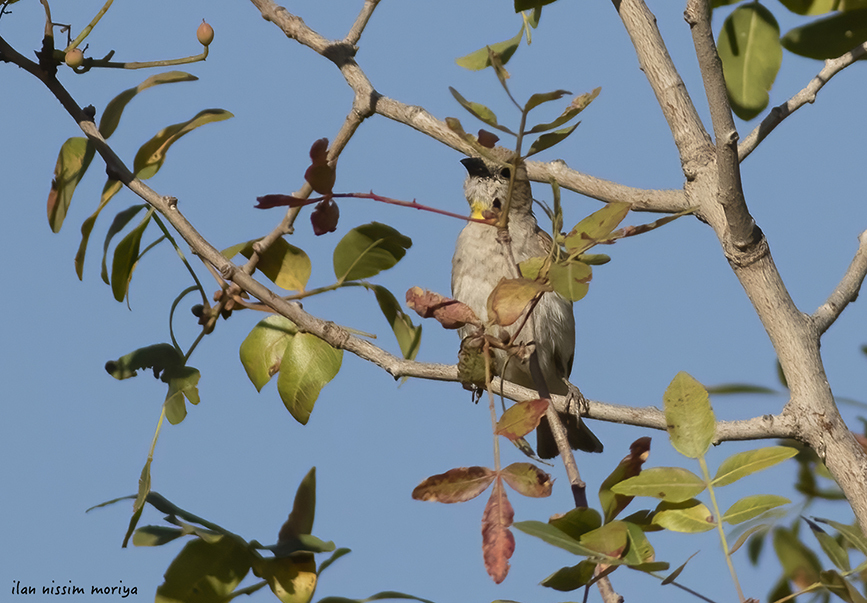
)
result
[(479, 263)]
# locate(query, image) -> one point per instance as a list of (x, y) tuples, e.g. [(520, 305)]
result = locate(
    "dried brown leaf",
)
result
[(498, 543), (455, 485), (451, 313)]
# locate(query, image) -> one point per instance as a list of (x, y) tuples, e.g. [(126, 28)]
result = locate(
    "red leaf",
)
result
[(321, 178), (488, 139), (319, 152), (498, 543), (269, 201), (324, 217)]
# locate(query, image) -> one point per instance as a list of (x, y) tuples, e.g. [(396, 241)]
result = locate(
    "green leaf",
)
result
[(668, 483), (334, 557), (120, 221), (852, 534), (688, 415), (126, 255), (205, 572), (570, 279), (408, 336), (640, 555), (150, 157), (630, 466), (183, 382), (480, 111), (610, 539), (838, 555), (111, 188), (820, 7), (752, 506), (522, 5), (750, 461), (739, 388), (800, 564), (291, 579), (577, 522), (841, 587), (479, 59), (544, 97), (367, 250), (548, 140), (689, 517), (830, 37), (577, 106), (72, 161), (555, 537), (303, 509), (749, 47), (114, 109), (283, 264), (156, 535), (158, 357), (308, 365), (570, 578), (262, 350), (598, 226), (673, 575), (761, 529), (144, 488)]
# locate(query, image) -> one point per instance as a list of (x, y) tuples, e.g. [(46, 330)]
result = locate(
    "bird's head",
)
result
[(487, 187)]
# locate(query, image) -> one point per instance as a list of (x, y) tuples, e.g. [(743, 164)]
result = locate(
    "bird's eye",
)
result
[(505, 173), (496, 204)]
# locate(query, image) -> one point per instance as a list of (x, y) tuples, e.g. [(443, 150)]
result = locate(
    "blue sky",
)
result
[(73, 437)]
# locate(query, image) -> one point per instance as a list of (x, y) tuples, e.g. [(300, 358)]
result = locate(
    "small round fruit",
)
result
[(205, 34), (75, 58)]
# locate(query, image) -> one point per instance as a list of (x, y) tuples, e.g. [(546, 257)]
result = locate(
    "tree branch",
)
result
[(807, 95), (811, 408), (360, 22), (741, 228), (846, 291), (693, 142), (419, 119)]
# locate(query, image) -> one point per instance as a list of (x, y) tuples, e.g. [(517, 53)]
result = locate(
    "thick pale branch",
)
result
[(846, 291), (742, 231), (807, 95), (666, 201), (758, 428), (691, 139), (795, 336)]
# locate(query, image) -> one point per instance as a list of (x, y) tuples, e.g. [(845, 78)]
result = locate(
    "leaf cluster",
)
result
[(751, 46), (211, 566)]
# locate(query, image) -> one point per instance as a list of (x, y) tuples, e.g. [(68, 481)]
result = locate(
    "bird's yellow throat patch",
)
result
[(478, 208)]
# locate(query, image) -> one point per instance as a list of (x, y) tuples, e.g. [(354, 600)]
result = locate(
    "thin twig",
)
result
[(807, 95), (846, 291), (360, 22)]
